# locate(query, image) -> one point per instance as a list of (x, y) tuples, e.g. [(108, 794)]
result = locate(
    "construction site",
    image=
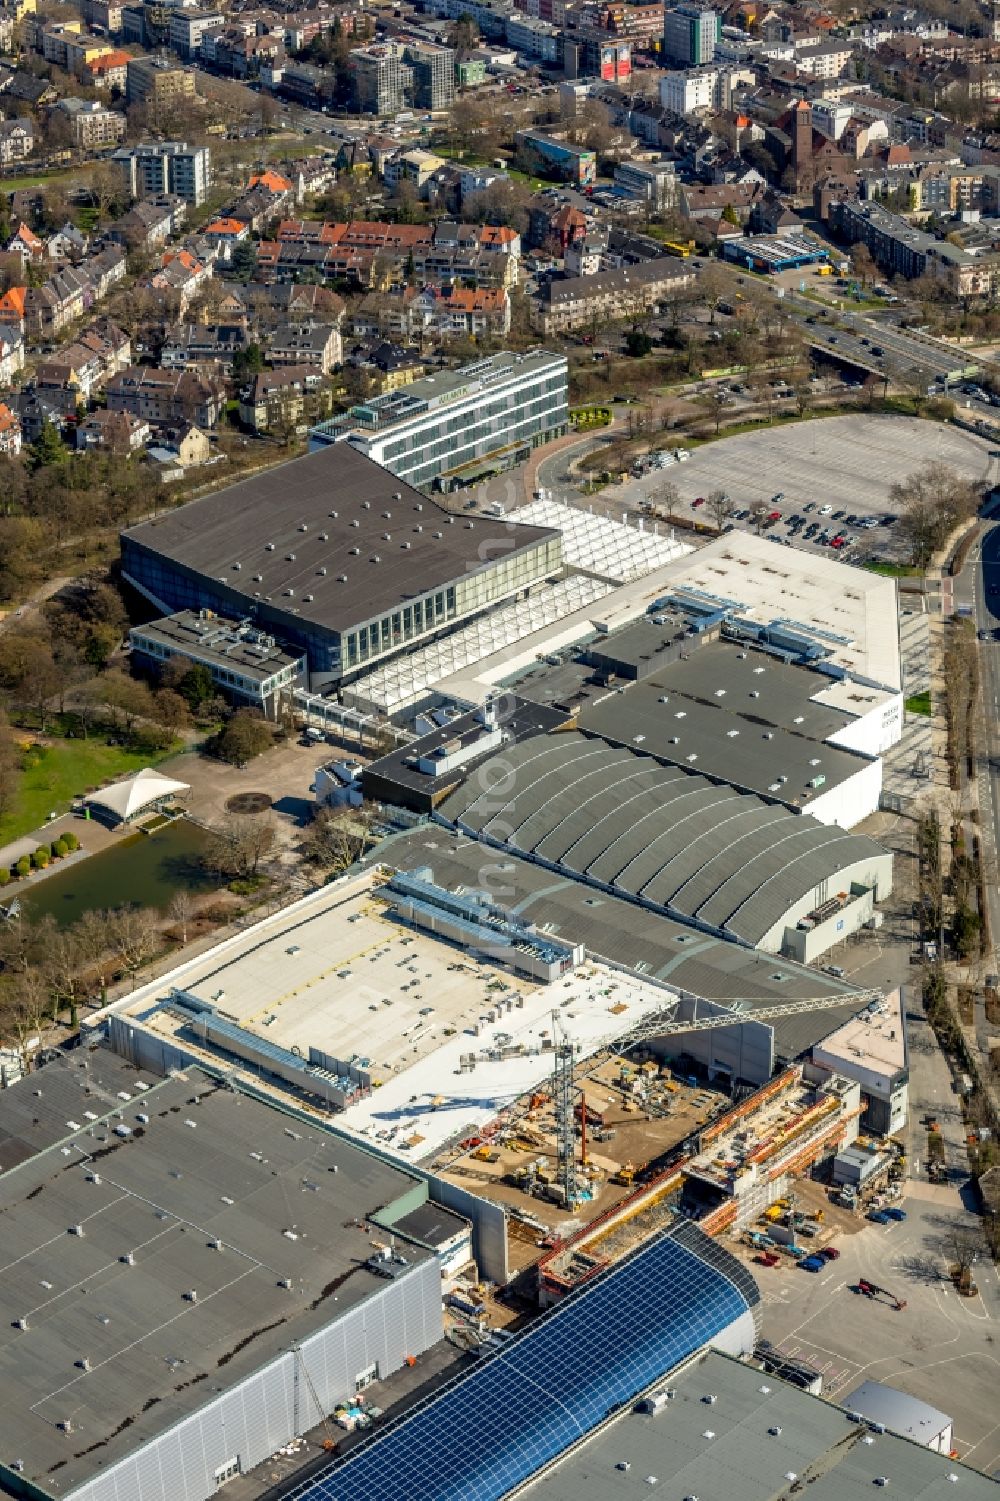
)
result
[(581, 1103)]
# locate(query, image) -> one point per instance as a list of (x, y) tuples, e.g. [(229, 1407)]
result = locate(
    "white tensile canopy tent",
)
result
[(123, 801)]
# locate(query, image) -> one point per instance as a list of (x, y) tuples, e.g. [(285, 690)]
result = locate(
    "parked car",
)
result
[(812, 1263), (831, 1253), (879, 1217), (894, 1212)]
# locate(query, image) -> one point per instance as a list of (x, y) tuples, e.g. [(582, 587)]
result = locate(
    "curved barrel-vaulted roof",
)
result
[(489, 1431), (700, 849)]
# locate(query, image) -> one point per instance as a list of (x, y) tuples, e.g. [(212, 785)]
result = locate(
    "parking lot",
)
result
[(848, 464)]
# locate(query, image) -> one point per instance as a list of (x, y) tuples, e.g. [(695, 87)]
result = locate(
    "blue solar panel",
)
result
[(490, 1430)]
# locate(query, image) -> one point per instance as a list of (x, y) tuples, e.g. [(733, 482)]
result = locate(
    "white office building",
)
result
[(449, 427)]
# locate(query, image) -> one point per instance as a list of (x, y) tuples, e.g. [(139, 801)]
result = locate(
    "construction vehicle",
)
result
[(486, 1154), (625, 1176)]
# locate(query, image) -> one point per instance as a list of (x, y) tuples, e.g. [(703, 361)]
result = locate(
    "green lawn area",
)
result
[(894, 571), (919, 703), (55, 774)]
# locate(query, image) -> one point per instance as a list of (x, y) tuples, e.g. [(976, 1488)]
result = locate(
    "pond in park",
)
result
[(144, 869)]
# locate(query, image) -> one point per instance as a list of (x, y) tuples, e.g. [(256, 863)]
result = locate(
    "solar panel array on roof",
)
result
[(489, 1431), (705, 851)]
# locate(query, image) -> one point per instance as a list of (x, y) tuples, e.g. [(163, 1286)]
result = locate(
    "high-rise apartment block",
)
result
[(378, 72), (690, 35), (433, 74), (167, 167)]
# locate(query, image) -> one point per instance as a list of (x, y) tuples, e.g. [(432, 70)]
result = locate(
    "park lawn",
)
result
[(895, 571), (53, 775), (919, 703)]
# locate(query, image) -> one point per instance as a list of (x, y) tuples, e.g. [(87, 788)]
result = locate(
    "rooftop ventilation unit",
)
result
[(386, 537), (366, 505), (75, 1230), (398, 495), (128, 1259), (65, 1424), (191, 1296), (289, 557), (308, 597), (269, 547), (83, 1364), (321, 572), (21, 1323), (304, 526), (375, 558), (237, 567), (323, 537), (341, 578), (258, 578), (289, 593), (334, 515)]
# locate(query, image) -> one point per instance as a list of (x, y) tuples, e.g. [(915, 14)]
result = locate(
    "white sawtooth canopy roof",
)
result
[(127, 798)]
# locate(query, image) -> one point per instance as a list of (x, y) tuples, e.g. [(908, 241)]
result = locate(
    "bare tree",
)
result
[(720, 506), (133, 937), (336, 838), (180, 912), (931, 502), (759, 512), (238, 848)]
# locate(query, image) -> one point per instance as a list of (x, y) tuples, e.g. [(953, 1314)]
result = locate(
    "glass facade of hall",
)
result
[(331, 653)]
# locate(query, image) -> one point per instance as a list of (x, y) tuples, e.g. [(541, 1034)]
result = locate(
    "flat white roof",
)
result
[(853, 698), (872, 1039), (783, 583), (338, 972)]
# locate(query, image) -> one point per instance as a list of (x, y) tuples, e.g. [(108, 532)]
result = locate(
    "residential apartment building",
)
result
[(899, 248), (828, 60), (378, 75), (17, 141), (691, 91), (315, 344), (690, 35), (167, 167), (92, 125), (433, 71), (10, 431), (108, 71), (103, 15), (590, 302), (535, 38), (165, 396), (154, 81), (495, 410), (188, 26), (278, 398)]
